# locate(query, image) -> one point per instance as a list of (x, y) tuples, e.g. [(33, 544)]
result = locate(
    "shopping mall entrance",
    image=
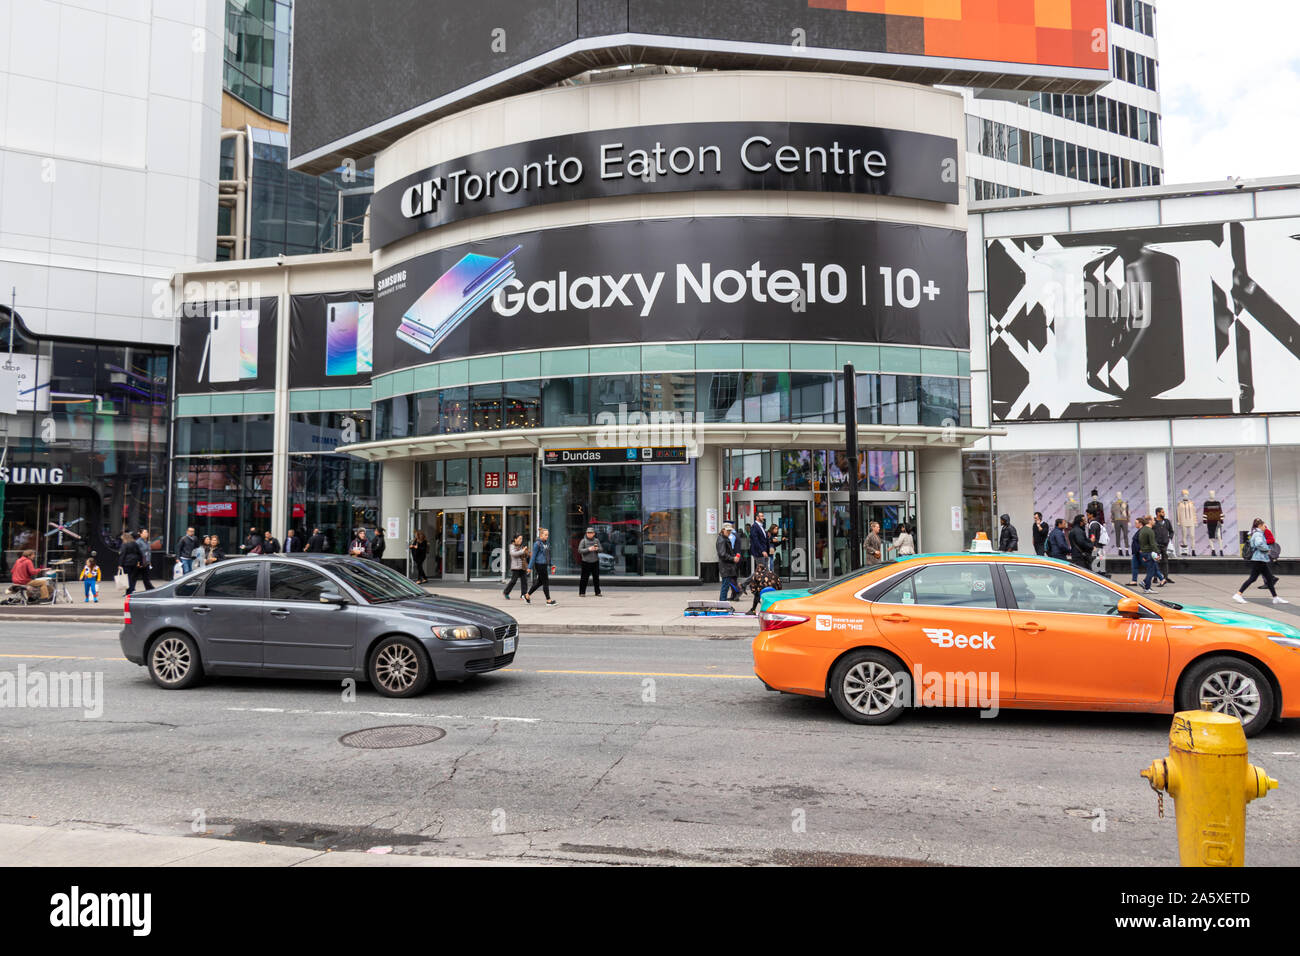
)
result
[(469, 537), (55, 522), (810, 530)]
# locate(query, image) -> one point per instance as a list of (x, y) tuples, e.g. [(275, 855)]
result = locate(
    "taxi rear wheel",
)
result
[(1231, 686), (868, 687)]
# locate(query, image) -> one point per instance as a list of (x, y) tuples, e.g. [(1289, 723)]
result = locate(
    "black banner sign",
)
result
[(680, 157), (577, 457), (227, 346), (672, 280), (331, 339)]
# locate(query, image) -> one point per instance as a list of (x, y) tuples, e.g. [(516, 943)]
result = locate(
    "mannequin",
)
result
[(1071, 505), (1096, 510), (1187, 524), (1212, 512), (1119, 518)]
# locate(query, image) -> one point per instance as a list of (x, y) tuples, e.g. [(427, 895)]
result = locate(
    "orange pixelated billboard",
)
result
[(1054, 33)]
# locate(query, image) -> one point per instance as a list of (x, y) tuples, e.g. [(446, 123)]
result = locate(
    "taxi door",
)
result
[(1072, 645), (947, 621)]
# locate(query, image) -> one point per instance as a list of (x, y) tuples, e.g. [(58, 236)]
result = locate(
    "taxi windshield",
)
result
[(836, 582)]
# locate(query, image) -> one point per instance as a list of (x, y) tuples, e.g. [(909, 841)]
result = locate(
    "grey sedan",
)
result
[(316, 617)]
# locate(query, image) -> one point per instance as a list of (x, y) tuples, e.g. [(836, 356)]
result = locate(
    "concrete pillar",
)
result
[(281, 419), (397, 500), (708, 496), (939, 491)]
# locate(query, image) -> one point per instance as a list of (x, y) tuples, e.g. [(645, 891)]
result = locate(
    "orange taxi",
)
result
[(1012, 631)]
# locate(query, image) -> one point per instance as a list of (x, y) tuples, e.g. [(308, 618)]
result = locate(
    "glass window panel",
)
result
[(946, 585)]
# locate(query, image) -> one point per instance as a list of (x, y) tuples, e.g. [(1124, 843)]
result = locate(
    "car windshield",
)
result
[(836, 582), (376, 583)]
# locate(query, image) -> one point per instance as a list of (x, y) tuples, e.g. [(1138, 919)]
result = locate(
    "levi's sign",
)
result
[(682, 157)]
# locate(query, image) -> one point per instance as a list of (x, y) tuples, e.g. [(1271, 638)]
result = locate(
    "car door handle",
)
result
[(896, 618), (280, 612), (201, 609), (1031, 627)]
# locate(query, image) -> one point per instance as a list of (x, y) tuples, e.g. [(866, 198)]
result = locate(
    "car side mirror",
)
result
[(333, 597), (1129, 607)]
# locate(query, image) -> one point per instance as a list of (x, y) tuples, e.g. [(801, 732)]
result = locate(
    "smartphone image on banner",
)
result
[(223, 348), (249, 320), (365, 337), (341, 339), (456, 295)]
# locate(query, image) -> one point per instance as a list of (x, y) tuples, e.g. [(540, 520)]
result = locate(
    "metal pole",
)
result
[(851, 443)]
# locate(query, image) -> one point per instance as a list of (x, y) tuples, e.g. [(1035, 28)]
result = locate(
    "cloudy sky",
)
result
[(1230, 88)]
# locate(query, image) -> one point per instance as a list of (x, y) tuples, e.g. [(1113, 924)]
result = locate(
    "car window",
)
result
[(836, 582), (188, 587), (375, 582), (946, 585), (233, 581), (1039, 588), (293, 582)]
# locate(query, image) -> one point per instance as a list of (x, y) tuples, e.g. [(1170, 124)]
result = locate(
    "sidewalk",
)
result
[(658, 610), (61, 845)]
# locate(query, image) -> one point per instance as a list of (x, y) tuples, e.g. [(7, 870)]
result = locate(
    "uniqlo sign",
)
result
[(512, 479), (215, 509), (491, 479)]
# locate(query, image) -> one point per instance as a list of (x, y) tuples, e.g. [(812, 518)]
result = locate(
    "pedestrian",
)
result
[(518, 566), (254, 540), (90, 578), (540, 566), (728, 564), (269, 543), (317, 543), (760, 548), (1041, 531), (146, 559), (1135, 549), (377, 549), (214, 552), (776, 544), (292, 543), (1008, 540), (361, 546), (904, 544), (185, 550), (1058, 544), (1256, 551), (1080, 546), (200, 557), (875, 544), (589, 553), (1164, 531), (1148, 543), (1098, 536), (128, 559), (420, 552), (761, 580)]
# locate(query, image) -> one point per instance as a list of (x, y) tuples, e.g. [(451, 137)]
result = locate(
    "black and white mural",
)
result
[(1146, 323)]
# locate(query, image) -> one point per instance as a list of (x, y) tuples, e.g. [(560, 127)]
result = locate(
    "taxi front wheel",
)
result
[(868, 687), (1230, 686)]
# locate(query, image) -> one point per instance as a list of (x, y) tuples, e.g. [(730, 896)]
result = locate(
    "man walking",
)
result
[(1041, 531), (728, 565), (760, 549), (1058, 545), (269, 543), (1080, 546), (1147, 544), (589, 553), (1097, 535), (317, 544), (1164, 532), (1008, 540), (146, 559), (185, 550), (292, 543)]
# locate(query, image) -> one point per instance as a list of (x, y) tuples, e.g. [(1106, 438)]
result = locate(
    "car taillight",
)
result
[(769, 621), (126, 610)]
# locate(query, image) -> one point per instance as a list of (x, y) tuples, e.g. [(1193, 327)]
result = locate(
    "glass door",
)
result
[(485, 544), (452, 538)]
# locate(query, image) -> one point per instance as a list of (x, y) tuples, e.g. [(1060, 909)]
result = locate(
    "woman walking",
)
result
[(540, 565), (419, 552), (518, 568), (904, 544), (1258, 554)]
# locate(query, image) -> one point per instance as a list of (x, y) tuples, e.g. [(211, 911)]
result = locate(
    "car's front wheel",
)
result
[(174, 661), (867, 687), (1230, 686), (399, 667)]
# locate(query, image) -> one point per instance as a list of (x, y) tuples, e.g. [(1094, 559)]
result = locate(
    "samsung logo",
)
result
[(31, 476), (389, 281)]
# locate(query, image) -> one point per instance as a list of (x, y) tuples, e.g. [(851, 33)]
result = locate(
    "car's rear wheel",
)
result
[(866, 687), (1231, 686), (174, 661), (399, 667)]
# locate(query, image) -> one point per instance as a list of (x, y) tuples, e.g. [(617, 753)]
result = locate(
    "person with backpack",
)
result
[(1100, 538), (1257, 551)]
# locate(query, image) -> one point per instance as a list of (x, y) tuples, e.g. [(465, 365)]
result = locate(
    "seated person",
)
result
[(26, 574)]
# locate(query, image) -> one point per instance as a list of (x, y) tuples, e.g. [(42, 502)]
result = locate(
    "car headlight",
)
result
[(1292, 642), (457, 632)]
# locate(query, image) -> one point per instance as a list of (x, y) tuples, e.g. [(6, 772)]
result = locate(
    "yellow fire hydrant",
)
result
[(1211, 782)]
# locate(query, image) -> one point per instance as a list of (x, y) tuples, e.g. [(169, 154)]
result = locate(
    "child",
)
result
[(90, 577)]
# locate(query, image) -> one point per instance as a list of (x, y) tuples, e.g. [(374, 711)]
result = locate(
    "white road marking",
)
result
[(376, 713)]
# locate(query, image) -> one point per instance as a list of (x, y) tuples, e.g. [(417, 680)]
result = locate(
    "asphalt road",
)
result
[(600, 749)]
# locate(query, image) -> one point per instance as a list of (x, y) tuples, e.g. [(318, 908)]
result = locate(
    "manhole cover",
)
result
[(387, 738)]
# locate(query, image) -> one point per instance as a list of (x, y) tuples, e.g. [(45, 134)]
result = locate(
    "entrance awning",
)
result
[(773, 436)]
